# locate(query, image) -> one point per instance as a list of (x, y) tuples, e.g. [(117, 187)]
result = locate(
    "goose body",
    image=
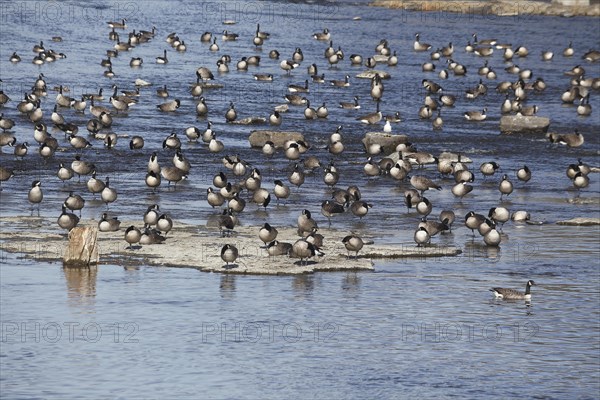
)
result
[(353, 243), (229, 253), (511, 294), (64, 173), (107, 224), (276, 248)]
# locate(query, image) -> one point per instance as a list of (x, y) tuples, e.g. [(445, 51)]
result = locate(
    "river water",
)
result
[(413, 328)]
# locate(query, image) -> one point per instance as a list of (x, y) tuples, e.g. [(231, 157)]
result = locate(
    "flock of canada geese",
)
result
[(404, 164)]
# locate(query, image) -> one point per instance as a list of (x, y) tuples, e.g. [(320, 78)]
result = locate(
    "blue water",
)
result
[(413, 328)]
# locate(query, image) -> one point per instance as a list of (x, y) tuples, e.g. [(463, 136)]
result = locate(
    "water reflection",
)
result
[(351, 283), (227, 286), (81, 286), (303, 285)]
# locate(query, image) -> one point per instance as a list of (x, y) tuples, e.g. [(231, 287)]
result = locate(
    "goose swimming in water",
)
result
[(511, 294)]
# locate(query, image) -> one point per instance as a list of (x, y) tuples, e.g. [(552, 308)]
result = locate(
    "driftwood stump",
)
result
[(82, 250)]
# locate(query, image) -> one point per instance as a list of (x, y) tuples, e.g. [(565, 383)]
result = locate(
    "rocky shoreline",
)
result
[(516, 9), (199, 247)]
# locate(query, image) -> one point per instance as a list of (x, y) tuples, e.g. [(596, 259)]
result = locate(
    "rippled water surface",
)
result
[(413, 328)]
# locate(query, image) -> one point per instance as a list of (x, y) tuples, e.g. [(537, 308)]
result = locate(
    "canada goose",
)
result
[(109, 73), (164, 223), (64, 173), (136, 62), (132, 236), (3, 97), (492, 238), (524, 174), (303, 250), (422, 237), (293, 88), (499, 215), (181, 47), (438, 122), (424, 206), (152, 180), (334, 59), (261, 197), (118, 25), (419, 46), (242, 65), (322, 111), (204, 74), (169, 106), (592, 56), (341, 83), (268, 148), (108, 224), (489, 168), (151, 215), (392, 60), (172, 142), (433, 227), (371, 118), (309, 112), (425, 112), (5, 175), (151, 236), (162, 92), (281, 191), (275, 118), (35, 195), (568, 51), (173, 174), (263, 77), (214, 46), (214, 198), (581, 181), (274, 55), (215, 146), (511, 294), (473, 221), (226, 222), (505, 187), (573, 169), (67, 220), (81, 167), (220, 180), (231, 113), (229, 253), (21, 149), (571, 139), (584, 108), (229, 36), (325, 35), (360, 208), (201, 107), (6, 123), (483, 51), (476, 115), (181, 162), (15, 58), (353, 243), (296, 177), (547, 55), (95, 185), (330, 176), (79, 142), (288, 65), (356, 59), (276, 248), (206, 37), (447, 217), (108, 194), (257, 40)]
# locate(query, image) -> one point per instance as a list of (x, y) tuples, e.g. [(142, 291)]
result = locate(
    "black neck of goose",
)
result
[(527, 289)]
